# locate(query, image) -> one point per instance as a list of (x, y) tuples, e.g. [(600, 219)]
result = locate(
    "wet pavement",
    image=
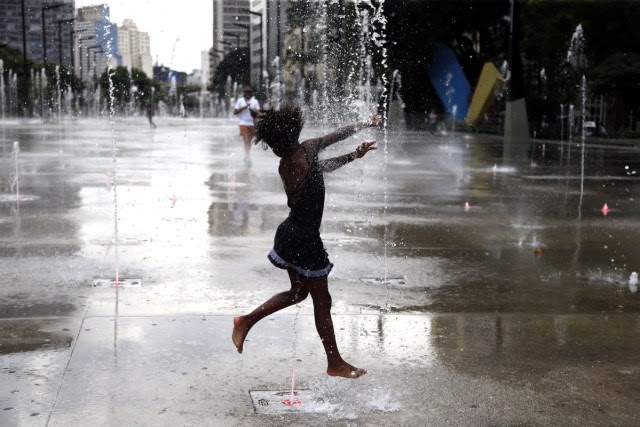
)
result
[(476, 290)]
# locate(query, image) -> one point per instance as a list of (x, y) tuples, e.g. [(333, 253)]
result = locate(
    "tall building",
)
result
[(135, 47), (275, 29), (96, 41), (204, 66), (57, 16), (231, 26), (259, 46), (258, 24)]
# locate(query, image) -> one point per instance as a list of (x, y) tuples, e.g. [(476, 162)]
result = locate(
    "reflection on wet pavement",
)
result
[(16, 337)]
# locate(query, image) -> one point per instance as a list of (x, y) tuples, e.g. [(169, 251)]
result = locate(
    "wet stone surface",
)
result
[(509, 300)]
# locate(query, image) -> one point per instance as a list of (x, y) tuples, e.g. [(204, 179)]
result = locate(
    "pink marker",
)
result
[(605, 210), (466, 206)]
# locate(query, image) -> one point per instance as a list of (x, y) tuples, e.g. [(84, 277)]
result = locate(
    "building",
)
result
[(135, 47), (258, 24), (230, 23), (96, 41), (53, 45), (204, 66), (230, 29)]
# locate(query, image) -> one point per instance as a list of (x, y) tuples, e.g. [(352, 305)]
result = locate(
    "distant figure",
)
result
[(150, 114), (601, 130), (433, 121), (246, 109), (298, 247)]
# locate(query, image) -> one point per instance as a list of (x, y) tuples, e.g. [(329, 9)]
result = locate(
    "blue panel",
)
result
[(449, 81)]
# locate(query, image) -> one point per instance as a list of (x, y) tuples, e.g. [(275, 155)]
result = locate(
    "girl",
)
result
[(297, 246)]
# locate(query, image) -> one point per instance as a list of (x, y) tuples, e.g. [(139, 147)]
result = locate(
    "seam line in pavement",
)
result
[(66, 367)]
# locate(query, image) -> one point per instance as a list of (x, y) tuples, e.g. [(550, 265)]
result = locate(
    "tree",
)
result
[(115, 85), (414, 26), (146, 87), (235, 65), (547, 31), (13, 60), (618, 78)]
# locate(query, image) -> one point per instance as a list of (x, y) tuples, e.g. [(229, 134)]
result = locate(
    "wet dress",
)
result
[(297, 243)]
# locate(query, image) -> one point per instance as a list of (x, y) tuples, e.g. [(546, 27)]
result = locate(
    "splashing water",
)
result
[(292, 400), (582, 141), (59, 94), (2, 100), (14, 171), (633, 282), (379, 22), (114, 159), (575, 53), (342, 400)]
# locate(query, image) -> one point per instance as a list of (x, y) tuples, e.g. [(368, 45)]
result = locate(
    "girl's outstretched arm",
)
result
[(344, 132), (334, 163)]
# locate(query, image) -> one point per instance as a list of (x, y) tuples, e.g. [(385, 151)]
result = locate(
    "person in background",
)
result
[(246, 109), (150, 114), (298, 247), (433, 121)]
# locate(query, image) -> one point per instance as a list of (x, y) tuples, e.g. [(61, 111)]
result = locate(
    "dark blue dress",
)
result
[(297, 243)]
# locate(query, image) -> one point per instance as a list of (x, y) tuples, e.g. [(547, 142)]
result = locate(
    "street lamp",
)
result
[(60, 22), (259, 15), (44, 36)]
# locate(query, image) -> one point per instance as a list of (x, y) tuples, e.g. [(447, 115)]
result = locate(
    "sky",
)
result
[(185, 24)]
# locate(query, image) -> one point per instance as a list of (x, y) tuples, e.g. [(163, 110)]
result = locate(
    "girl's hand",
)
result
[(375, 120), (364, 148)]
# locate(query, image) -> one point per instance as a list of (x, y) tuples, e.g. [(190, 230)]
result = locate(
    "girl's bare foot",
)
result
[(240, 330), (347, 371)]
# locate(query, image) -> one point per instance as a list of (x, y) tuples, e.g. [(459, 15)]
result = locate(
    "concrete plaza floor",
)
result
[(507, 298)]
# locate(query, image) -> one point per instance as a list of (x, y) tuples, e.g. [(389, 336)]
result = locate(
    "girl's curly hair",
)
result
[(279, 129)]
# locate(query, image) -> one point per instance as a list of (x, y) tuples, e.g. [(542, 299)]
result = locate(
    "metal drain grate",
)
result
[(280, 402), (399, 282), (122, 283)]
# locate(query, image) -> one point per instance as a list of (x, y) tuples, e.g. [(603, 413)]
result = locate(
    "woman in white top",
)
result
[(246, 108)]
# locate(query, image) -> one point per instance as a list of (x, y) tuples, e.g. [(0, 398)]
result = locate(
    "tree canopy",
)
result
[(236, 65)]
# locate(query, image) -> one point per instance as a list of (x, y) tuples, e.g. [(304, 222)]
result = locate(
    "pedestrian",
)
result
[(298, 247), (433, 121), (150, 114), (246, 109)]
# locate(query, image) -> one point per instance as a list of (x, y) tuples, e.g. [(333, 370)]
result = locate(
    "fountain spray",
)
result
[(582, 141), (2, 101), (379, 22), (114, 170), (293, 400), (13, 177)]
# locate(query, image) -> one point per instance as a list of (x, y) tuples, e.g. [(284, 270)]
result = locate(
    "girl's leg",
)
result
[(242, 324), (319, 290)]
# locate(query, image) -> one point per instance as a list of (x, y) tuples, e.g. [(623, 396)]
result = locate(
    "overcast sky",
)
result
[(187, 21)]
